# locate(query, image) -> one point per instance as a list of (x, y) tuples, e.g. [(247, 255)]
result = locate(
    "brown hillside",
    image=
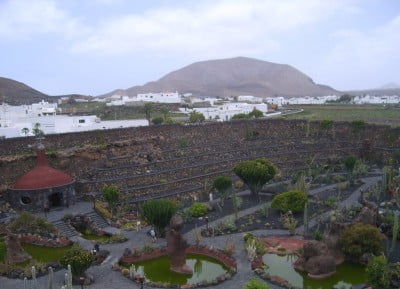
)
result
[(235, 76)]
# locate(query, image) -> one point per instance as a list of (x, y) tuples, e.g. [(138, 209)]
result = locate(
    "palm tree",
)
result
[(25, 131)]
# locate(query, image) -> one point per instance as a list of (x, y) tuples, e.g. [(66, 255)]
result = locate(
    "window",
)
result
[(81, 121), (25, 200)]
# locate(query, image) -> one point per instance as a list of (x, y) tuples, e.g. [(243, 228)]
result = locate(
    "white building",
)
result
[(161, 97), (249, 98), (17, 121), (312, 99), (278, 100), (226, 111), (373, 99)]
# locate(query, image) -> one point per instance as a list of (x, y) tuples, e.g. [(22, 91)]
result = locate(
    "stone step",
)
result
[(65, 228), (99, 221)]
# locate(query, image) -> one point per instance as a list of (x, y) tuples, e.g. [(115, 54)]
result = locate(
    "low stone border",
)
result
[(219, 255), (40, 241)]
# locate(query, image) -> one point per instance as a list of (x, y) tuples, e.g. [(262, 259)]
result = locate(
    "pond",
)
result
[(347, 274), (45, 254), (204, 268)]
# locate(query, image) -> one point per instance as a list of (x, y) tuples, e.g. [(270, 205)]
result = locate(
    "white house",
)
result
[(161, 97), (226, 111), (278, 100), (249, 98), (372, 99), (16, 121)]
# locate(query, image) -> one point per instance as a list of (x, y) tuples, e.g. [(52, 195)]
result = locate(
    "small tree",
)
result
[(79, 259), (223, 185), (25, 131), (111, 195), (36, 130), (255, 174), (196, 117), (378, 272), (157, 120), (358, 239), (158, 213), (256, 113), (164, 111), (148, 109)]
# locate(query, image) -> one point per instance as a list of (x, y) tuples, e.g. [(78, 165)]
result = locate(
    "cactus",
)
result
[(395, 231), (50, 283), (387, 178), (69, 284), (305, 218), (34, 280), (132, 271), (25, 283)]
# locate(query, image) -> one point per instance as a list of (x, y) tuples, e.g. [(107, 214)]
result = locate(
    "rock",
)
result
[(320, 265), (316, 259), (364, 259), (367, 216)]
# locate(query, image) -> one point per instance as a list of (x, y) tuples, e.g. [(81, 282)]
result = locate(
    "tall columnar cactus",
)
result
[(34, 280), (132, 271), (51, 277), (395, 231), (387, 178), (69, 284), (305, 218)]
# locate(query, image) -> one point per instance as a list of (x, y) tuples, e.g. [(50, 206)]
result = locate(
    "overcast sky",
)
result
[(95, 46)]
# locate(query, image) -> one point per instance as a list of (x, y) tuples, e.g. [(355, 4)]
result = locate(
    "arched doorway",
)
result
[(55, 200)]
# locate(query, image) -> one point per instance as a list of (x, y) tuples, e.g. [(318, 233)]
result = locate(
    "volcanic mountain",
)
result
[(234, 76), (16, 93)]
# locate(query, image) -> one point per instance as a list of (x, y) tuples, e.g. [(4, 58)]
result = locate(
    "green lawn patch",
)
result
[(45, 254)]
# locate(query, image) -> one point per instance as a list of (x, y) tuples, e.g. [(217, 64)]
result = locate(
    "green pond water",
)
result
[(93, 237), (347, 274), (45, 254), (204, 268)]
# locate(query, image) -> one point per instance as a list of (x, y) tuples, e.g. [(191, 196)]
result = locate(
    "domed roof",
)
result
[(42, 176)]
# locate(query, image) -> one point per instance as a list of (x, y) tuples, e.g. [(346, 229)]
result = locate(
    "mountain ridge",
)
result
[(234, 76)]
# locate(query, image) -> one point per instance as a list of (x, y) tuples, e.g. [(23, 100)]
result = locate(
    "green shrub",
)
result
[(158, 213), (358, 125), (223, 185), (255, 174), (350, 163), (197, 210), (157, 120), (259, 244), (253, 283), (32, 224), (289, 201), (358, 239), (378, 273), (79, 259), (326, 124)]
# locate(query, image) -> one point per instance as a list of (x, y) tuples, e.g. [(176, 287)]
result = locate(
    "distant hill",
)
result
[(14, 92), (390, 91), (17, 93), (235, 76), (390, 85)]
